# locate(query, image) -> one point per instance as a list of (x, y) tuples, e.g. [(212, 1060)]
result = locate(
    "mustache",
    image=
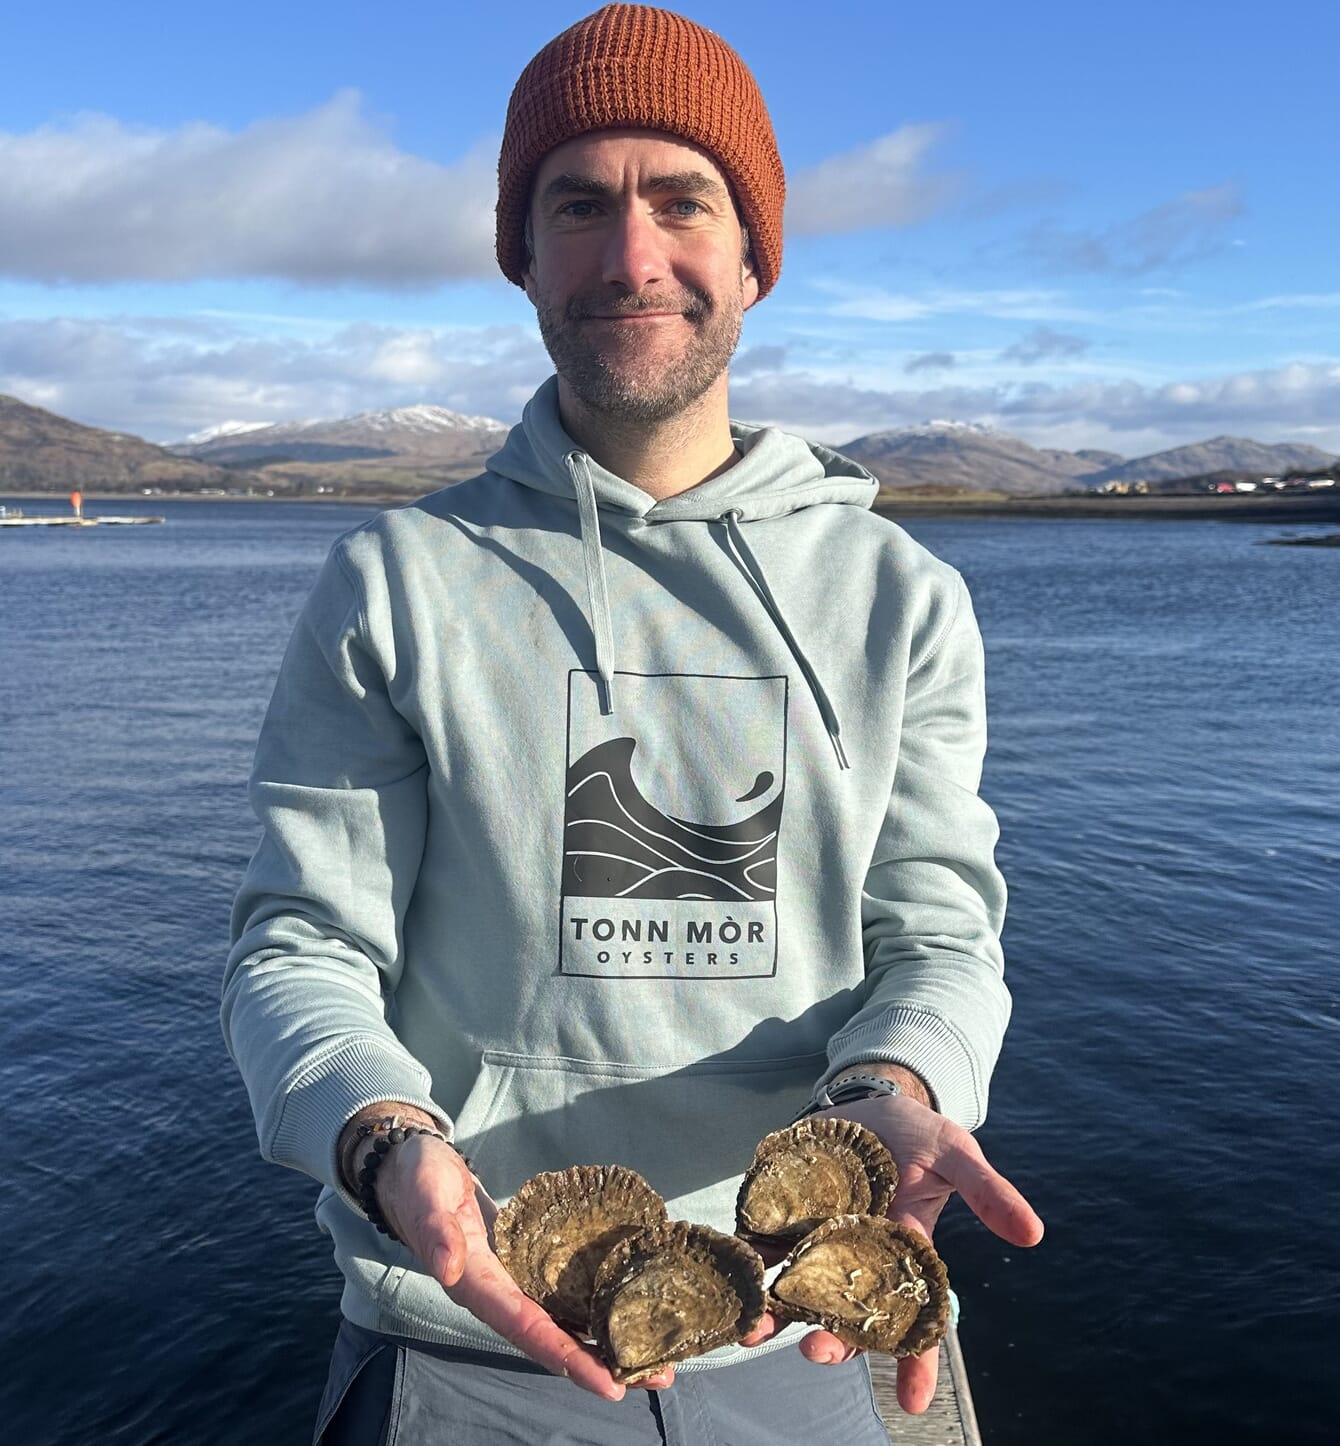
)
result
[(694, 305)]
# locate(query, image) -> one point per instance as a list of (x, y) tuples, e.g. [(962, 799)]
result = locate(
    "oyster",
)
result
[(810, 1172), (672, 1291), (869, 1281), (553, 1233)]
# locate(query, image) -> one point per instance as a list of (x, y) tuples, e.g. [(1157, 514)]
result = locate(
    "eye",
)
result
[(578, 210), (687, 208)]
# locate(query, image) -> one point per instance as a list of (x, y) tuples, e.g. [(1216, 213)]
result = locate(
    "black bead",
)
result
[(381, 1144), (395, 1136)]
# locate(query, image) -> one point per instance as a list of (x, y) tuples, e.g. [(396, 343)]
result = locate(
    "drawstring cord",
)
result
[(751, 568), (596, 586)]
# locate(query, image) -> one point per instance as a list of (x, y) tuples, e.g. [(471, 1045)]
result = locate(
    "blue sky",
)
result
[(1088, 226)]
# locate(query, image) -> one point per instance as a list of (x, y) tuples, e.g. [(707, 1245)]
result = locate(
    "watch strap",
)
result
[(847, 1091)]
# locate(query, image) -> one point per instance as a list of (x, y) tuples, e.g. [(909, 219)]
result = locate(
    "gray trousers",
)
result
[(385, 1391)]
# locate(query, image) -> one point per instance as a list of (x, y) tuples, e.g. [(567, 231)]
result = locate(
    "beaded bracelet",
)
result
[(387, 1132)]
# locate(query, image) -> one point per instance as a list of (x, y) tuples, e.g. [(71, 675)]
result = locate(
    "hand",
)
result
[(443, 1214), (935, 1157)]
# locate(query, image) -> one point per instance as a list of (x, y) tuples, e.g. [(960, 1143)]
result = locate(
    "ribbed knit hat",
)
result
[(641, 68)]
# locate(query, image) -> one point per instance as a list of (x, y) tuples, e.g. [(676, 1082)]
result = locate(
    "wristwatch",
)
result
[(854, 1087)]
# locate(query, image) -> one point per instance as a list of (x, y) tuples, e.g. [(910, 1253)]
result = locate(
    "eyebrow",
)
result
[(686, 183)]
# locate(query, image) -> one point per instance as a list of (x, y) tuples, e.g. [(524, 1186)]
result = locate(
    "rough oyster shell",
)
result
[(553, 1233), (869, 1281), (810, 1172), (673, 1291)]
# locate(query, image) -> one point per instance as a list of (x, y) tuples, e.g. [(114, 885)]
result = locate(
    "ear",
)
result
[(750, 286), (528, 280)]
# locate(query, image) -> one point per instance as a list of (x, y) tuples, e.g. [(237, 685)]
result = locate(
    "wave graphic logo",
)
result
[(671, 827), (617, 845)]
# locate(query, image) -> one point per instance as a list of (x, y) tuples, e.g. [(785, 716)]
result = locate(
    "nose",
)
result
[(634, 251)]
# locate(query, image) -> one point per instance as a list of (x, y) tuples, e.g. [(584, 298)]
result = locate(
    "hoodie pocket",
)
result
[(690, 1130)]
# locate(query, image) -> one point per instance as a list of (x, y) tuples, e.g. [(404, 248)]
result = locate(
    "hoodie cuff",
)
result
[(318, 1105), (925, 1043)]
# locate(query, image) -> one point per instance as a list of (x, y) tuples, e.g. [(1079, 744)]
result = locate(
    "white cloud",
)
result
[(881, 183), (164, 383), (321, 199), (1296, 400), (164, 379), (1296, 301), (876, 304)]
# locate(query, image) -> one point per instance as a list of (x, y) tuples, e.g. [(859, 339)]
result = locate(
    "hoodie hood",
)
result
[(778, 473)]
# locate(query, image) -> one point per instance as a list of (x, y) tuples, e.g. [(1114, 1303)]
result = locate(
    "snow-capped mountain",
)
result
[(432, 434), (224, 429)]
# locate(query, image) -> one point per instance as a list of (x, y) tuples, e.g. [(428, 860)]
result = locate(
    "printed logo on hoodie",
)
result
[(670, 829)]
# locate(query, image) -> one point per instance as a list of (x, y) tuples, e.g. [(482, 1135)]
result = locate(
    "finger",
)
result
[(990, 1196), (764, 1330), (825, 1349), (916, 1381), (490, 1294), (447, 1256)]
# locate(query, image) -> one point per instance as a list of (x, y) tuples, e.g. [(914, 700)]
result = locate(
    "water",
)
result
[(1163, 758)]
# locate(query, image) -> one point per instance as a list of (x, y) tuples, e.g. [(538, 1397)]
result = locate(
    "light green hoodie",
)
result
[(606, 828)]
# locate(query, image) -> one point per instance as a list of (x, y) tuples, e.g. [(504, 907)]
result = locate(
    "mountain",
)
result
[(968, 456), (409, 451), (940, 456), (41, 452), (423, 433), (1219, 454)]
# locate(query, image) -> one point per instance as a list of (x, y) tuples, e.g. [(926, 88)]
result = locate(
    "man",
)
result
[(616, 802)]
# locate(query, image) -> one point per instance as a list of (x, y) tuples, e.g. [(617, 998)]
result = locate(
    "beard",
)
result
[(623, 377)]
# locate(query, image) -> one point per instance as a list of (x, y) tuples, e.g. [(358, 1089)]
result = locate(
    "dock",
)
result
[(950, 1421), (77, 521)]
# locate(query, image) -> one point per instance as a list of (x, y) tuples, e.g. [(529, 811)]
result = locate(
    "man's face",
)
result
[(636, 271)]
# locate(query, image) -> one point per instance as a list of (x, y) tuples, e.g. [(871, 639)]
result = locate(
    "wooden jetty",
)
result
[(950, 1421)]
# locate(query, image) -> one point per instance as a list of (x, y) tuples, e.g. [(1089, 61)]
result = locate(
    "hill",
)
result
[(42, 452), (1238, 455), (967, 456)]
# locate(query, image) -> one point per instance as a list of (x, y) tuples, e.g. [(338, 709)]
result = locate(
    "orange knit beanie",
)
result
[(645, 69)]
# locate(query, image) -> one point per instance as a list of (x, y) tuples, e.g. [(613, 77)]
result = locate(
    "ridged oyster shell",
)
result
[(869, 1281), (673, 1291), (554, 1232), (810, 1172)]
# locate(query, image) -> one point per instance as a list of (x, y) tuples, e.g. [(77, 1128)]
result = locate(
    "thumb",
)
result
[(447, 1260)]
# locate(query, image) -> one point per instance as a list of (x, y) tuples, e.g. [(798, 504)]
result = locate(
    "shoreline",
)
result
[(1236, 508), (1308, 508)]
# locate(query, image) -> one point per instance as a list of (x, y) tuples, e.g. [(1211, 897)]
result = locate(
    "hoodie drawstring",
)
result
[(597, 589), (749, 565), (596, 586)]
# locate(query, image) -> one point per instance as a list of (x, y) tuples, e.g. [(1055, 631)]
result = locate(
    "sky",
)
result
[(1087, 226)]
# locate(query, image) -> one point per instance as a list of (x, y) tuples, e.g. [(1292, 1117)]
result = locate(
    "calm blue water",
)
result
[(1165, 762)]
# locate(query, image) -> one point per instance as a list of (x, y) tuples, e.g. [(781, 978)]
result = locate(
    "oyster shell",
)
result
[(553, 1233), (672, 1291), (810, 1172), (869, 1281)]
